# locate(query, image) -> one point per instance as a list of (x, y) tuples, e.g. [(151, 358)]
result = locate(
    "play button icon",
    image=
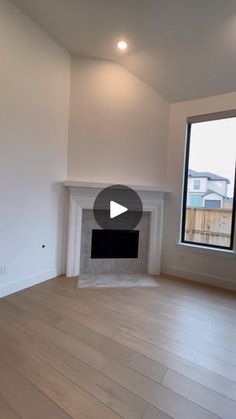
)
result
[(118, 207)]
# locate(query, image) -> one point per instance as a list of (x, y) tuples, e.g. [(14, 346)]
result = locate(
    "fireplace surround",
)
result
[(82, 196), (117, 263)]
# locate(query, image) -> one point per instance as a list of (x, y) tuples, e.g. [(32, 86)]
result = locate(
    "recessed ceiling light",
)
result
[(122, 45)]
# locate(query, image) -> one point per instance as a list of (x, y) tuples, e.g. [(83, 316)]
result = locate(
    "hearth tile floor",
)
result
[(116, 281)]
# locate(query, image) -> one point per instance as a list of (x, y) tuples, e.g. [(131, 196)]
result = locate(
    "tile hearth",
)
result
[(116, 281)]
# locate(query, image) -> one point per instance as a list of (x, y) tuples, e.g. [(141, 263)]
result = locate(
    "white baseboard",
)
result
[(199, 277), (22, 283)]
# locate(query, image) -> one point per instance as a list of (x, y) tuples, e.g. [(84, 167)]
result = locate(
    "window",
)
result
[(196, 184), (209, 203)]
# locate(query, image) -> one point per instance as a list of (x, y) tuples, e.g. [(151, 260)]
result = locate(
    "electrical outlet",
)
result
[(2, 271)]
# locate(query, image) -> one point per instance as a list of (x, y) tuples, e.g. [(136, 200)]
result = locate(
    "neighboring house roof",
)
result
[(208, 175), (209, 191)]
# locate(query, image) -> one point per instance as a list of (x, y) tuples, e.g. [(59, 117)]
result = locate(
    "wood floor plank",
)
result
[(104, 328), (60, 296), (76, 402), (145, 348), (6, 412), (87, 378), (44, 313), (163, 303), (216, 365), (157, 352), (189, 337), (221, 339), (186, 351), (152, 392), (153, 413), (26, 399), (98, 385), (212, 381), (209, 379), (208, 399), (63, 296), (200, 305), (122, 305), (70, 344), (12, 328), (101, 324), (116, 351), (102, 345), (24, 361), (216, 382), (218, 352)]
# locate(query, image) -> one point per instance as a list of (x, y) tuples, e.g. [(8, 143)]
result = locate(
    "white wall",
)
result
[(218, 186), (118, 127), (196, 264), (34, 106)]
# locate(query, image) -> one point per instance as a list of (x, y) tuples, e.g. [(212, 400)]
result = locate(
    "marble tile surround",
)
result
[(99, 266)]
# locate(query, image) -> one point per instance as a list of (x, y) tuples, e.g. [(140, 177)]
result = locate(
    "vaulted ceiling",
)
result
[(185, 49)]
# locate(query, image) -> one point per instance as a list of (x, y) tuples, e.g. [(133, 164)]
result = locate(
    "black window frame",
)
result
[(190, 122)]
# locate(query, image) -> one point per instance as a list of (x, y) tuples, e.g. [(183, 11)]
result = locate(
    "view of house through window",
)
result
[(209, 202)]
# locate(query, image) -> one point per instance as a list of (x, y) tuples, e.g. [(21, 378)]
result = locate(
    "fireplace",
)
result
[(117, 251), (82, 197), (114, 244)]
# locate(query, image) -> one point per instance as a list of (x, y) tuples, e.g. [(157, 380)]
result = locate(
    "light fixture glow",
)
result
[(122, 45)]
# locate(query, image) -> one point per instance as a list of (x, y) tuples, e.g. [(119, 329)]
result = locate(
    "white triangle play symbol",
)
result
[(116, 209)]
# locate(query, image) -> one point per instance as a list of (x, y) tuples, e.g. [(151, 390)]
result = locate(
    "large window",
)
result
[(209, 198)]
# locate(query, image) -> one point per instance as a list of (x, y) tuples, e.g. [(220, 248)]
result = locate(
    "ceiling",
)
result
[(185, 49)]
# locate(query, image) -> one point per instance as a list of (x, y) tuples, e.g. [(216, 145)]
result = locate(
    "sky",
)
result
[(213, 148)]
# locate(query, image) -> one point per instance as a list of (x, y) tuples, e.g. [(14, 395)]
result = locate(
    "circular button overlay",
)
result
[(118, 207)]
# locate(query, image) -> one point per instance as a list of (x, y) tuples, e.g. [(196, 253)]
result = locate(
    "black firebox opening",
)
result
[(114, 244)]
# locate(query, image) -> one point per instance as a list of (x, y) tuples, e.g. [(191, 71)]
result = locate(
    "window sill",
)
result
[(207, 250)]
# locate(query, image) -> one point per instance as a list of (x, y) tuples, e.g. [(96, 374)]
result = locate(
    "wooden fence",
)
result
[(211, 226)]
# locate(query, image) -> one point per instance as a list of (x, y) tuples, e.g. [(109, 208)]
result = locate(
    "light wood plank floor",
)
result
[(152, 353)]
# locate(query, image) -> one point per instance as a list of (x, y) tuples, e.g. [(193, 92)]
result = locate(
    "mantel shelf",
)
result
[(100, 185)]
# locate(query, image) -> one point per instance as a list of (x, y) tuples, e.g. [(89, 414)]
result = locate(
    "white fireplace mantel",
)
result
[(83, 195)]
